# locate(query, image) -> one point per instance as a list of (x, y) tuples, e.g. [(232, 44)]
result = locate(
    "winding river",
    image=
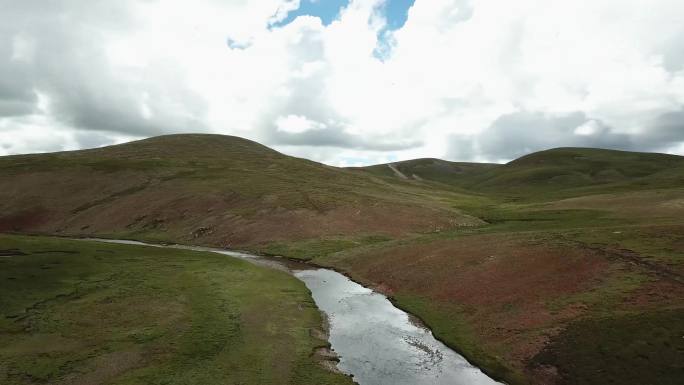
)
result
[(376, 342)]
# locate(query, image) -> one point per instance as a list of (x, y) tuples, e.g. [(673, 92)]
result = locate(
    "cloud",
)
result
[(32, 134), (59, 49), (668, 127), (520, 133), (516, 134), (296, 124), (465, 79)]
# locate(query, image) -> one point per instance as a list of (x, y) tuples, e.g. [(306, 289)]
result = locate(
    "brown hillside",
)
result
[(207, 189)]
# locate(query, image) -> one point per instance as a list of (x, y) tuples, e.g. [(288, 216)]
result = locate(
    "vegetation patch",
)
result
[(320, 248), (89, 313), (623, 349), (448, 325)]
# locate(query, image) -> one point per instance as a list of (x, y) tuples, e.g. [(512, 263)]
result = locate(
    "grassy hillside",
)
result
[(577, 277), (561, 172), (208, 189), (538, 270), (581, 171), (80, 312), (429, 169)]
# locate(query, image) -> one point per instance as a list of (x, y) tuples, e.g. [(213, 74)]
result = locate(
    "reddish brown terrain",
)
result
[(516, 292)]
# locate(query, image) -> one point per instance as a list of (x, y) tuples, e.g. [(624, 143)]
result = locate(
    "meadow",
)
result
[(85, 312)]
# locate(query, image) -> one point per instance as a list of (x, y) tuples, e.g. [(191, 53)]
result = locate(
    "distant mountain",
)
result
[(560, 171), (429, 169)]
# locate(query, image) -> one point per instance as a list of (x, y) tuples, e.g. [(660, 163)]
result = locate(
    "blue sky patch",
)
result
[(396, 14), (395, 11), (326, 10)]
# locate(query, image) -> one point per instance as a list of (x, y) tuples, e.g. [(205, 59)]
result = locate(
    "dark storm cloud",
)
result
[(513, 135), (65, 60)]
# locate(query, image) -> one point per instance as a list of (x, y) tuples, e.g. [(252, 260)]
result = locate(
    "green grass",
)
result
[(521, 218), (430, 169), (180, 183), (448, 325), (660, 244), (621, 349), (607, 296), (320, 247), (551, 174), (579, 169), (88, 312)]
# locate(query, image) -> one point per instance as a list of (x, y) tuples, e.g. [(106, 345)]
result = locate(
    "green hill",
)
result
[(582, 170), (559, 172), (209, 189), (429, 169)]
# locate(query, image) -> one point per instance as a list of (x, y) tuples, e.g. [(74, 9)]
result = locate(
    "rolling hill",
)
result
[(582, 171), (560, 172), (208, 189), (429, 169)]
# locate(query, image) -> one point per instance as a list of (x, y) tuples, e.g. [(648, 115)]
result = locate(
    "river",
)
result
[(376, 342)]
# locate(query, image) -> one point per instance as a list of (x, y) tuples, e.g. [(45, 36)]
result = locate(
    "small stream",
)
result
[(376, 342)]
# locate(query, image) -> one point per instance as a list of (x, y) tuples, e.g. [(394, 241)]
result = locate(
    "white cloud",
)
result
[(133, 69), (23, 49), (587, 128), (34, 134), (297, 124)]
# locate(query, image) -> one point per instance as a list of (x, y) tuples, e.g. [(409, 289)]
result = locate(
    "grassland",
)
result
[(79, 312), (575, 278), (517, 298), (568, 260), (208, 189), (527, 268)]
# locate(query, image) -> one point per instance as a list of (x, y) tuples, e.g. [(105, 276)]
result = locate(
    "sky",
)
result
[(346, 82)]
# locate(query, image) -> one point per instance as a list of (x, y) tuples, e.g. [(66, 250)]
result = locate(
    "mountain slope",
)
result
[(429, 169), (579, 168), (210, 189), (562, 172), (582, 254)]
